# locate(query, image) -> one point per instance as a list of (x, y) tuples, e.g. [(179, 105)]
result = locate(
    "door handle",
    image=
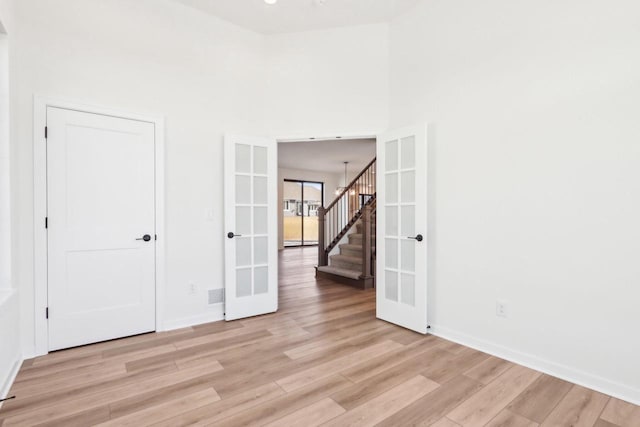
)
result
[(231, 235), (419, 238), (146, 238)]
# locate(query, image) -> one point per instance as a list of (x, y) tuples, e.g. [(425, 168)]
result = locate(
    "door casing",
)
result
[(40, 212)]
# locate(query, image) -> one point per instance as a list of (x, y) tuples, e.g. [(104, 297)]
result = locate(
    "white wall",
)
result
[(330, 180), (5, 213), (328, 83), (147, 56), (206, 77), (535, 179), (9, 319)]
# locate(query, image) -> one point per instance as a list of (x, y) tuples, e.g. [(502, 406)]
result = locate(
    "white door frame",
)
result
[(40, 105)]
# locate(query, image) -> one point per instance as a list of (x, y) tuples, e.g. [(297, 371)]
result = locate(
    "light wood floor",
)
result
[(322, 359)]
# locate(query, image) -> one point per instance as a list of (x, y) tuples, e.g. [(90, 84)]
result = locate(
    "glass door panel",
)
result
[(312, 196), (300, 203), (292, 213)]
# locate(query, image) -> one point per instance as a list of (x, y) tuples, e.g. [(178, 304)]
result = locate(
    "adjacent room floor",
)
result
[(323, 358)]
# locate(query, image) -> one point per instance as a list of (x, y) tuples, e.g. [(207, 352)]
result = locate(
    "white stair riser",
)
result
[(351, 252), (346, 258), (346, 265), (355, 239), (355, 275)]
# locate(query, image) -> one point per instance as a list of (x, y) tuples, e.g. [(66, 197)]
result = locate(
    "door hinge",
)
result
[(46, 312), (46, 132), (46, 222), (155, 236)]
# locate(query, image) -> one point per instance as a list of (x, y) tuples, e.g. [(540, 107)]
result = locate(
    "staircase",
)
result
[(346, 249)]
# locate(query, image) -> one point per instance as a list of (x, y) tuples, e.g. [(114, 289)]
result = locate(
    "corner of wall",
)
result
[(10, 354)]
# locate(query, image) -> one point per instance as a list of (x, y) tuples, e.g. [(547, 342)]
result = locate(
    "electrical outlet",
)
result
[(192, 288), (502, 309)]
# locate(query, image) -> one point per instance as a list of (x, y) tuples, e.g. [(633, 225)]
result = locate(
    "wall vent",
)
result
[(216, 296)]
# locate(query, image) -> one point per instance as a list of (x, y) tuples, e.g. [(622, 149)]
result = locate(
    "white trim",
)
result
[(6, 387), (345, 136), (40, 105), (216, 314), (8, 297), (549, 367)]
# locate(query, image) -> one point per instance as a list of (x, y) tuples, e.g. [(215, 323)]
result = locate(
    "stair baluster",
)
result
[(355, 203)]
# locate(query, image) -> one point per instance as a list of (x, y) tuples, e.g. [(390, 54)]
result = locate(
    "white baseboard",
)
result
[(567, 373), (215, 314), (8, 382)]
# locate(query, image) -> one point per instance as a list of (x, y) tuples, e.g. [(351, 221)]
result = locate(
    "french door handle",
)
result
[(419, 238), (231, 235), (146, 238)]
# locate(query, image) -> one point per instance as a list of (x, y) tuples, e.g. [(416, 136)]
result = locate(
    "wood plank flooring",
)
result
[(323, 359)]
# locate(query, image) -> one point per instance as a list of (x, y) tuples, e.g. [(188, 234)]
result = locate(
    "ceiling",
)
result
[(287, 16), (327, 156)]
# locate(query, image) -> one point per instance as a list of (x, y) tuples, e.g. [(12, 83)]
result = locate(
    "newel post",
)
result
[(322, 256), (366, 242)]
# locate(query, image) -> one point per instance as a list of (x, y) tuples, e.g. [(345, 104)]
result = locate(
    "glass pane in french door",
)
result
[(251, 215), (400, 203)]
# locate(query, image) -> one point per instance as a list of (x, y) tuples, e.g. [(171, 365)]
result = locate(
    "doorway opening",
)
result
[(324, 186), (301, 201), (396, 266), (348, 227)]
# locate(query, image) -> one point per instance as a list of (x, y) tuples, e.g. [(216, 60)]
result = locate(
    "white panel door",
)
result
[(101, 227), (251, 253), (401, 270)]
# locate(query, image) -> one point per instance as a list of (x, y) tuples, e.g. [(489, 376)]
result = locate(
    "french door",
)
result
[(101, 227), (401, 271), (300, 203), (250, 195)]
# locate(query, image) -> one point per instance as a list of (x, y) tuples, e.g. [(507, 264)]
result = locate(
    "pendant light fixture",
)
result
[(339, 190)]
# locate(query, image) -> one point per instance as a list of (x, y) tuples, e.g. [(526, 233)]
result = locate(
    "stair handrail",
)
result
[(351, 184), (336, 220)]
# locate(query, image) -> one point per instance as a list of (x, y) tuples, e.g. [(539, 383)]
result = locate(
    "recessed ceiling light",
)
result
[(270, 1)]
